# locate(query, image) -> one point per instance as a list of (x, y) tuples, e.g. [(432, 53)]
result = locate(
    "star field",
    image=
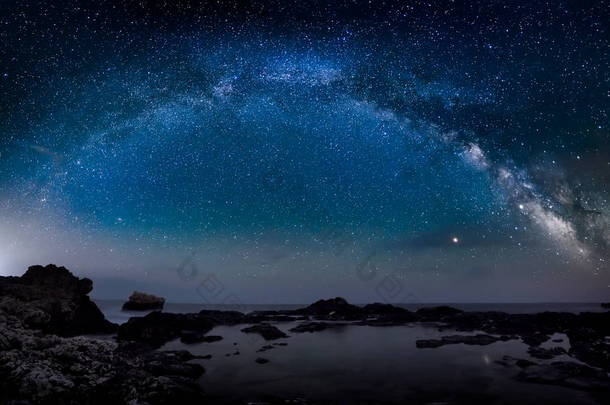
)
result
[(463, 144)]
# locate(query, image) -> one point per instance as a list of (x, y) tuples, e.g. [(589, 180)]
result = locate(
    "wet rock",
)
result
[(172, 363), (567, 374), (390, 319), (265, 348), (383, 309), (223, 317), (509, 361), (334, 308), (316, 327), (268, 316), (522, 363), (437, 313), (605, 305), (595, 352), (546, 354), (195, 337), (535, 339), (268, 332), (480, 340), (139, 301), (158, 328), (261, 360)]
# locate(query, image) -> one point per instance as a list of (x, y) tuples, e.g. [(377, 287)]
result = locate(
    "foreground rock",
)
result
[(139, 301), (54, 370), (268, 332), (567, 374), (51, 299), (39, 367), (480, 340)]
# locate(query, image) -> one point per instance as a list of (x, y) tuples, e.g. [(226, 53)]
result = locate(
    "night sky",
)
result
[(285, 151)]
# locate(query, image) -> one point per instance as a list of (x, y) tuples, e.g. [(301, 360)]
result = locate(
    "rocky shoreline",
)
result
[(45, 359)]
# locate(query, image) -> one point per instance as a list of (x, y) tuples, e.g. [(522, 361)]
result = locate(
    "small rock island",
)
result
[(139, 301)]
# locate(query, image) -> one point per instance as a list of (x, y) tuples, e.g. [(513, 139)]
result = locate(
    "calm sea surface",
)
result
[(361, 364)]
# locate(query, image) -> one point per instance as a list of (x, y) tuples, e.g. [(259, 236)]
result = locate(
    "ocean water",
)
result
[(362, 364)]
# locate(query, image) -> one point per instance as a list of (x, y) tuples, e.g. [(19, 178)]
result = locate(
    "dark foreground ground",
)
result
[(49, 356)]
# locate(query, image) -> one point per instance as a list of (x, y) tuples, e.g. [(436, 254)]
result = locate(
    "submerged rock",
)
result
[(195, 337), (158, 328), (139, 301), (316, 327), (261, 360), (509, 361), (535, 339), (268, 332), (546, 354), (480, 340), (265, 348)]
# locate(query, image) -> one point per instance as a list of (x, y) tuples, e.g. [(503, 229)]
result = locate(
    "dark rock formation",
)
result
[(52, 370), (158, 328), (534, 339), (545, 354), (139, 301), (606, 305), (509, 361), (436, 314), (383, 309), (260, 360), (223, 317), (39, 367), (335, 308), (268, 332), (567, 374), (316, 327), (386, 315), (51, 299), (195, 337), (480, 340)]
